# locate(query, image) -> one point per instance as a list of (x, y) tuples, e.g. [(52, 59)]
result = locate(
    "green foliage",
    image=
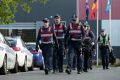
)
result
[(43, 1), (8, 9)]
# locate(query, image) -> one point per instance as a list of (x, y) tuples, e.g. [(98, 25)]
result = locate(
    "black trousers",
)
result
[(58, 56), (86, 58), (74, 49), (74, 62), (90, 59), (47, 51), (105, 56)]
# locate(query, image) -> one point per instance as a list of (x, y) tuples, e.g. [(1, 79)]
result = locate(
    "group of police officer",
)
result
[(76, 41)]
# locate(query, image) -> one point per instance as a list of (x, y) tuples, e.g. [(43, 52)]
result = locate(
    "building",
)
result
[(39, 11)]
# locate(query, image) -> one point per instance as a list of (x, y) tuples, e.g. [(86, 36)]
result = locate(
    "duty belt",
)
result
[(47, 42), (58, 30), (73, 39), (60, 37)]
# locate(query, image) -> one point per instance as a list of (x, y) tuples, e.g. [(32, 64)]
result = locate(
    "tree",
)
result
[(8, 9)]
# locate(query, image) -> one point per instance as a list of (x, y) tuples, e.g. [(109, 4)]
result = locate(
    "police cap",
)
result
[(74, 17), (57, 16), (103, 30), (45, 20)]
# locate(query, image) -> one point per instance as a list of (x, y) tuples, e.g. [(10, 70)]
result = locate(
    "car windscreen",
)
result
[(12, 43), (30, 46)]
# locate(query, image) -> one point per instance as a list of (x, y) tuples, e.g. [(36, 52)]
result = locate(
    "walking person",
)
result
[(60, 30), (104, 42), (47, 37), (73, 40), (88, 55)]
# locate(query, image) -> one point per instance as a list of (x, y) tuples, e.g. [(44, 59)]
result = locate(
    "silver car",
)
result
[(8, 58), (24, 56)]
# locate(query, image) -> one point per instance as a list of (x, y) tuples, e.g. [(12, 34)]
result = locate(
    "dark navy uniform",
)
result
[(73, 39), (46, 36), (104, 48), (59, 30), (88, 48)]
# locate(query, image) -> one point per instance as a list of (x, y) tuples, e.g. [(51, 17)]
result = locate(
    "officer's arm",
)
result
[(37, 41), (92, 36), (64, 28), (67, 36), (83, 32), (99, 40), (110, 43), (54, 38), (109, 40)]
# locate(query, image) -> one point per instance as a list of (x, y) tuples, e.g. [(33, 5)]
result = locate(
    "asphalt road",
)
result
[(95, 74)]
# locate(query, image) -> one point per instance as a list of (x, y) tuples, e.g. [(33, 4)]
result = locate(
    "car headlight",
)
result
[(1, 48)]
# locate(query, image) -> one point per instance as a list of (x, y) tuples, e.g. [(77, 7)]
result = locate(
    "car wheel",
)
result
[(24, 68), (31, 68), (3, 69), (41, 67), (15, 70)]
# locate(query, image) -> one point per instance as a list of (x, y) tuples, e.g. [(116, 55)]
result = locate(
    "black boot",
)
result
[(60, 70), (107, 67), (54, 71), (78, 72), (90, 68), (68, 71), (46, 71), (85, 70), (103, 67)]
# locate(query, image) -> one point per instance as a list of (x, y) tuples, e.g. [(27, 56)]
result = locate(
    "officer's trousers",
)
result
[(74, 65), (47, 51), (86, 59), (105, 57), (90, 60), (58, 56), (74, 62), (55, 59), (74, 48)]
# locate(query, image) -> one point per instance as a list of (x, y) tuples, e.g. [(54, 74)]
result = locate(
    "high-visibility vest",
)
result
[(46, 35), (59, 31), (106, 40)]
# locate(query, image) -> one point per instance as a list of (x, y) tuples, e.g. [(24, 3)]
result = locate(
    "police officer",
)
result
[(104, 43), (46, 35), (73, 39), (59, 30), (88, 57)]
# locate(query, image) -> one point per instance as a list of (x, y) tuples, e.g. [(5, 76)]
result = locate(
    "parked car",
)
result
[(24, 56), (37, 56), (8, 58)]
